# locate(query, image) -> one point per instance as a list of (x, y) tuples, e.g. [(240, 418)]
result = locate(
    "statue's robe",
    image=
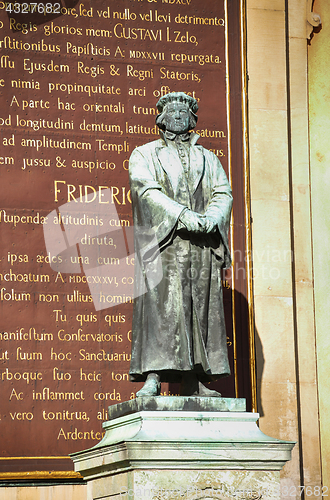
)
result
[(178, 321)]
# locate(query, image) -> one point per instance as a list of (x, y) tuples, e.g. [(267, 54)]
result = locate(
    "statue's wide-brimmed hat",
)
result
[(177, 97)]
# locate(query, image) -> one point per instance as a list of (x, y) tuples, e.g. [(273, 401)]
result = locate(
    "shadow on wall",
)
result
[(260, 362)]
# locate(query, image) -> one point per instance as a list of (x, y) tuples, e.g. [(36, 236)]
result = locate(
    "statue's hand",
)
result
[(209, 238), (193, 222), (211, 225)]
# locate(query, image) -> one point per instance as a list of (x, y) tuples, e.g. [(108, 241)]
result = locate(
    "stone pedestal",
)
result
[(183, 448)]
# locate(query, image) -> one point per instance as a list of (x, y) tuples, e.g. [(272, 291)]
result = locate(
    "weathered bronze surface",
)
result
[(181, 202)]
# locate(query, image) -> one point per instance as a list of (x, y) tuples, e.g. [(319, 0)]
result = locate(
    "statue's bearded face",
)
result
[(177, 117)]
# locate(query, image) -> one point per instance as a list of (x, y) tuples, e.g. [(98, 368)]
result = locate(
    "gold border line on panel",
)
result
[(39, 475), (6, 476), (230, 175), (35, 458), (248, 241)]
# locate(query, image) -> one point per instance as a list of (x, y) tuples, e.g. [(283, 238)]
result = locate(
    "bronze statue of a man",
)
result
[(181, 209)]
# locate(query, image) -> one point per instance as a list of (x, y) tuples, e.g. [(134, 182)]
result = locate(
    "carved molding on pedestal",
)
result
[(313, 19)]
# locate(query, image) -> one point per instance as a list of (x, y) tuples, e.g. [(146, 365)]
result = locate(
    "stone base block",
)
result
[(187, 485), (188, 448)]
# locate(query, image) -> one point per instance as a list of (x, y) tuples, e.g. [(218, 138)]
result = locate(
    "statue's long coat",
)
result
[(178, 320)]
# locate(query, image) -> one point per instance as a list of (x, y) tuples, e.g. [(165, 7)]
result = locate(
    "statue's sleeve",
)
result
[(155, 214), (221, 201)]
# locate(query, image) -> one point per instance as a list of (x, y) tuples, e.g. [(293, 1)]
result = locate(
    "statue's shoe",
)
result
[(204, 392), (151, 388)]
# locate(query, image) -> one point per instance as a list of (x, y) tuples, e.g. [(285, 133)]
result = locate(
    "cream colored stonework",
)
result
[(282, 230), (276, 386), (61, 492), (188, 485), (319, 99)]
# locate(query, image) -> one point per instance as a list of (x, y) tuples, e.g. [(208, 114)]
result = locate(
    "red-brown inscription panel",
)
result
[(78, 89)]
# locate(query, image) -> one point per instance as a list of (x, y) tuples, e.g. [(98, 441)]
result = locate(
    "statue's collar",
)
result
[(192, 137), (177, 137)]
